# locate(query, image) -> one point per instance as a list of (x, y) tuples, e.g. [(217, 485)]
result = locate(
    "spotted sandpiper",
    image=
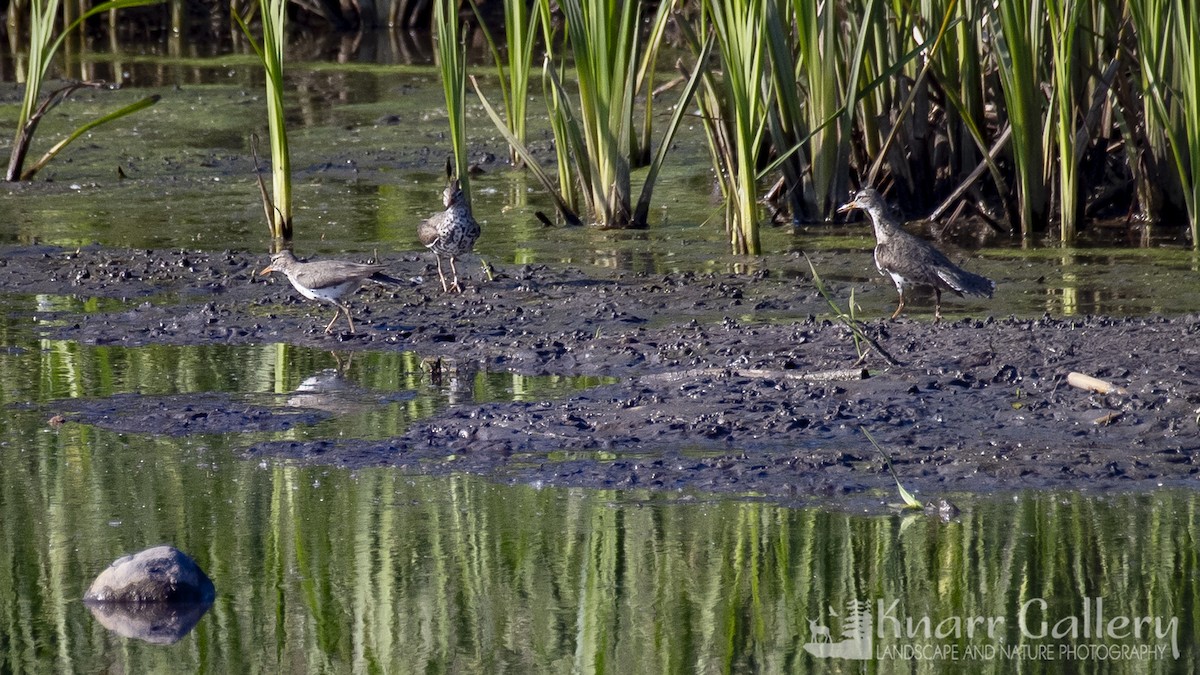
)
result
[(327, 280), (911, 261), (451, 233)]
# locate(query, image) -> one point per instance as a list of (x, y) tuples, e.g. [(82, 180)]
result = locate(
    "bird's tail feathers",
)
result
[(968, 283), (387, 279)]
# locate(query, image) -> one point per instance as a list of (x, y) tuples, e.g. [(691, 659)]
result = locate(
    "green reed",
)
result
[(918, 71), (43, 45), (734, 107), (1170, 85), (452, 60), (278, 205), (1146, 120), (816, 38), (1186, 140), (605, 47), (1019, 88), (595, 137), (1064, 29), (522, 23)]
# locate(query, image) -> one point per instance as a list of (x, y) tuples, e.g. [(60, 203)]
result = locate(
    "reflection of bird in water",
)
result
[(328, 280), (331, 391), (911, 261), (452, 232)]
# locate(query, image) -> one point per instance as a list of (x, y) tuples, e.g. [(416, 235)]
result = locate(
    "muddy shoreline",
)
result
[(724, 385)]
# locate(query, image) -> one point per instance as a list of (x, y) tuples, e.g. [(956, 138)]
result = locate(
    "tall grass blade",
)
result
[(817, 46), (273, 16), (1018, 29), (910, 502), (906, 107), (570, 184), (1064, 27), (452, 57), (1186, 145), (521, 25), (639, 150), (594, 139), (527, 157), (642, 209), (848, 319), (604, 42), (736, 104), (1146, 129), (83, 129)]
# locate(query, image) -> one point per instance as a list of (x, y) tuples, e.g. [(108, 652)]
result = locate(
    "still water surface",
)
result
[(327, 570), (321, 569)]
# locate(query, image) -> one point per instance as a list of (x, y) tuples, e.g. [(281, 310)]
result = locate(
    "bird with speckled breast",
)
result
[(911, 261), (451, 233), (328, 280)]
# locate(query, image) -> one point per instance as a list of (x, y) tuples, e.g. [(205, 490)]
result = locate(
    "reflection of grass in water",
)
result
[(420, 571), (376, 396), (492, 387)]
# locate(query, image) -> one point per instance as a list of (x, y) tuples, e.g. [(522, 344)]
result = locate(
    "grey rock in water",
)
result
[(155, 575), (156, 595)]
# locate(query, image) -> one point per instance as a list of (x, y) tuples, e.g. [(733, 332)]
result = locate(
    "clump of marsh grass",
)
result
[(595, 137), (1169, 56), (734, 107), (43, 45)]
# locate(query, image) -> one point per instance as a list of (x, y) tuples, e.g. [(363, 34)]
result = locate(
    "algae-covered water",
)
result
[(322, 569)]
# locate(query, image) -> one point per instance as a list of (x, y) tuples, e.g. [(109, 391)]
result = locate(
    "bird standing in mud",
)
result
[(911, 261), (452, 232), (327, 280)]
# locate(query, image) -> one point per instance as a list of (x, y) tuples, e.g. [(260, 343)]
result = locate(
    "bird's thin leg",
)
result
[(441, 275), (937, 305), (454, 271), (900, 307), (329, 328), (346, 311)]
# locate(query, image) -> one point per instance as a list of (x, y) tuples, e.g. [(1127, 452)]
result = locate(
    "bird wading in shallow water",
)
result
[(328, 280), (451, 233), (911, 261)]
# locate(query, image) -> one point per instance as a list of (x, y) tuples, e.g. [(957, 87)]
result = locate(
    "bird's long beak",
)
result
[(266, 270), (849, 206)]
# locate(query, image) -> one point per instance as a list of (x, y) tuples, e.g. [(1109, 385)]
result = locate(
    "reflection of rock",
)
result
[(156, 595), (160, 623)]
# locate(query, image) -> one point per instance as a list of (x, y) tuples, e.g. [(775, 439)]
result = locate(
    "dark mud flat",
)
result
[(727, 383)]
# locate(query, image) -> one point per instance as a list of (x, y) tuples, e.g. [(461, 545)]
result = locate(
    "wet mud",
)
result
[(727, 383)]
